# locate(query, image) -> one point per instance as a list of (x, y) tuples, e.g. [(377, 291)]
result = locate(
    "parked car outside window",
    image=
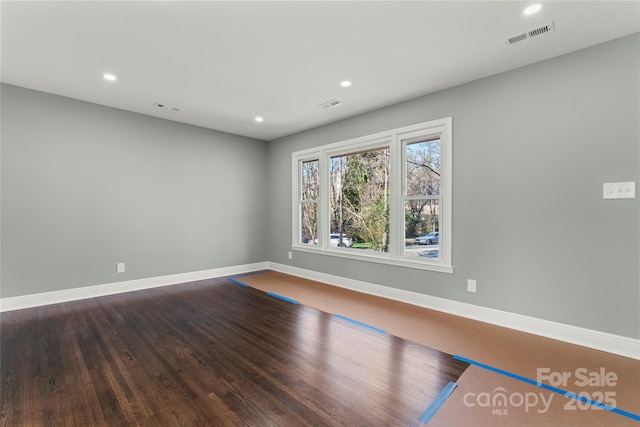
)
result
[(428, 239), (334, 240)]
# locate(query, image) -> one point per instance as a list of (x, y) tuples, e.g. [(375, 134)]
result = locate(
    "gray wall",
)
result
[(86, 186), (532, 148)]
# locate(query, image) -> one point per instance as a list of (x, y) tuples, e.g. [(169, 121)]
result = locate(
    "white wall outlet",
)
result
[(471, 286), (120, 267), (290, 255), (619, 190)]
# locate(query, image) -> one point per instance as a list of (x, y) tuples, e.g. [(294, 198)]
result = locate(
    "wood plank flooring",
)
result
[(508, 349), (209, 353)]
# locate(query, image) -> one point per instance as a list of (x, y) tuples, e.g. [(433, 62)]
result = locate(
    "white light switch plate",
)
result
[(619, 190)]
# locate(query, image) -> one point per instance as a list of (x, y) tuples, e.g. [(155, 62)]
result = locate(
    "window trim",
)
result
[(395, 140)]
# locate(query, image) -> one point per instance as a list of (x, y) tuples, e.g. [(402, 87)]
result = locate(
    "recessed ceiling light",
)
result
[(345, 83), (109, 77), (259, 119), (534, 8)]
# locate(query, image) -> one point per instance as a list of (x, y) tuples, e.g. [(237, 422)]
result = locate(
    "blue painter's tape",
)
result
[(551, 388), (238, 276), (360, 323), (292, 301), (237, 282), (436, 404)]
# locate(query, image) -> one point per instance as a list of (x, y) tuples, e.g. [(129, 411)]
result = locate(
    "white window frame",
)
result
[(396, 141)]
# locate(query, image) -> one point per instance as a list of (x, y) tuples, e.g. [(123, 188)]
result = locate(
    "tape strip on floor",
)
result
[(237, 282), (436, 404), (361, 324), (292, 301), (551, 388)]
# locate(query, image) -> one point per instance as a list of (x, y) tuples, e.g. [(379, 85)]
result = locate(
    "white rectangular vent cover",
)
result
[(329, 104), (534, 32)]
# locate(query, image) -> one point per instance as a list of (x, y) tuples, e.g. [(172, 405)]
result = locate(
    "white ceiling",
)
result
[(221, 63)]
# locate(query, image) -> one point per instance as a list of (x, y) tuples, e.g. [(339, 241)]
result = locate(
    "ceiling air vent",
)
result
[(534, 32), (161, 105), (329, 104)]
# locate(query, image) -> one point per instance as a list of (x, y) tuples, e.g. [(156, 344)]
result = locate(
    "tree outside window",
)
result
[(359, 199)]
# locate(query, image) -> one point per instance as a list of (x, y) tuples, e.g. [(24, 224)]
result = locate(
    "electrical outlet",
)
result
[(471, 286), (120, 267), (290, 255), (619, 190)]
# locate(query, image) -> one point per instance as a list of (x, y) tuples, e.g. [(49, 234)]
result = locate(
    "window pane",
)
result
[(423, 168), (422, 228), (309, 223), (309, 180), (359, 200)]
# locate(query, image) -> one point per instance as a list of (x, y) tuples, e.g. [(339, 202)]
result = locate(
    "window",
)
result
[(309, 202), (382, 198), (359, 198), (421, 195)]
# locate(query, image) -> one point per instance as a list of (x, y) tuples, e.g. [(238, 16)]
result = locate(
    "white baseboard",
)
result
[(616, 344), (46, 298)]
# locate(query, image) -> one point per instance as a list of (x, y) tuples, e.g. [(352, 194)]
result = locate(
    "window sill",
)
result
[(375, 258)]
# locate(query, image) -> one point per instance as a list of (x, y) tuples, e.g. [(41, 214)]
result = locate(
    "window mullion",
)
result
[(323, 200), (396, 216)]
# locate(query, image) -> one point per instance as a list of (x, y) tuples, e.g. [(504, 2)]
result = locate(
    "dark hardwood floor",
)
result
[(209, 353)]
